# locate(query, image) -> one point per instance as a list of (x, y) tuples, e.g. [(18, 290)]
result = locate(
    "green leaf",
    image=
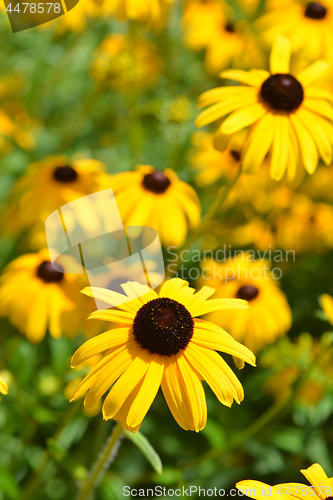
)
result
[(143, 444), (8, 484)]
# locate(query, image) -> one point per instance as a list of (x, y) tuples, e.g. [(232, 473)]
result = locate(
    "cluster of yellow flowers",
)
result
[(274, 126)]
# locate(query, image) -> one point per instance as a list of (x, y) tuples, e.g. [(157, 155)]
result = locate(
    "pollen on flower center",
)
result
[(282, 92), (156, 182), (47, 273), (65, 174), (247, 292), (315, 10), (163, 326)]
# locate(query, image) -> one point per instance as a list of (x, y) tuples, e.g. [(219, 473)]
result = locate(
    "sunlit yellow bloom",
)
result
[(326, 302), (160, 342), (126, 62), (288, 360), (257, 232), (212, 164), (15, 125), (36, 297), (209, 25), (49, 184), (152, 11), (320, 489), (288, 116), (149, 197), (268, 316), (3, 387), (308, 25), (305, 218)]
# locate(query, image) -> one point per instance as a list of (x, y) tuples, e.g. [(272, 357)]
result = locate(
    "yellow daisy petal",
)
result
[(280, 151), (253, 78), (313, 72), (259, 143), (280, 55), (243, 118), (307, 145)]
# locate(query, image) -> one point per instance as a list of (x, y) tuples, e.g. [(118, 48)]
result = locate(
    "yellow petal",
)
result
[(255, 78), (243, 118), (280, 148), (223, 94), (224, 107), (317, 128), (216, 305), (313, 72), (319, 106), (115, 299), (318, 478), (307, 145), (259, 143), (280, 55)]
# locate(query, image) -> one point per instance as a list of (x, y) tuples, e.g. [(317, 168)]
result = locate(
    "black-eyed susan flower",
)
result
[(210, 163), (304, 217), (268, 316), (3, 386), (287, 115), (126, 62), (149, 197), (321, 487), (36, 297), (159, 341), (308, 25), (209, 25), (49, 184)]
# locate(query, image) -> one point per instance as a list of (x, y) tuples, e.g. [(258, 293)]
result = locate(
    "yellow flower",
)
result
[(308, 25), (157, 199), (321, 487), (152, 11), (160, 341), (126, 62), (208, 25), (212, 164), (49, 184), (287, 115), (3, 387), (326, 302), (305, 218), (268, 316), (34, 296)]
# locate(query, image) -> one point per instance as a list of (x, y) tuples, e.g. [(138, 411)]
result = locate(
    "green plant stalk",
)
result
[(105, 458), (274, 412), (34, 480), (214, 208)]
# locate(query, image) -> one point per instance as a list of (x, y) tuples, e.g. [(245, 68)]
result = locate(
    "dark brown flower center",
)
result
[(315, 10), (65, 174), (230, 28), (235, 154), (156, 182), (282, 92), (163, 326), (47, 273), (247, 292)]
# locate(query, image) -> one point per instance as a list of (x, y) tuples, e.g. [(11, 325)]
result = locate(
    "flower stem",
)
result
[(103, 461), (220, 199)]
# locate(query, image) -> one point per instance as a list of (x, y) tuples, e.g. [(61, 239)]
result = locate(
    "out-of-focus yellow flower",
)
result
[(208, 24), (3, 386), (321, 488), (268, 316), (126, 62), (212, 164), (34, 296), (307, 356), (326, 302), (46, 186), (15, 125), (157, 199), (306, 227), (152, 11), (317, 186), (179, 109), (256, 232), (308, 25), (160, 341), (289, 116)]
